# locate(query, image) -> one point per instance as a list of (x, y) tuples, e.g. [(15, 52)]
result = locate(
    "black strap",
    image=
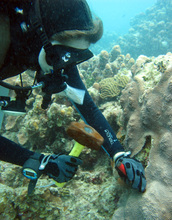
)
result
[(33, 163), (36, 21), (31, 186)]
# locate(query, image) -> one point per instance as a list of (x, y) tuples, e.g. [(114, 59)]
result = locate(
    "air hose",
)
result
[(16, 88)]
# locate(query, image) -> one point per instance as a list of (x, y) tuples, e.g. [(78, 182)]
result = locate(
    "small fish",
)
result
[(18, 10)]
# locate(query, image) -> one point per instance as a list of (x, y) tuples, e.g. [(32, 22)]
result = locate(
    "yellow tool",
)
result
[(84, 135)]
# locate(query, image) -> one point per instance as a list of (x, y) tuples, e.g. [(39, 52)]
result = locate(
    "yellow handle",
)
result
[(76, 151)]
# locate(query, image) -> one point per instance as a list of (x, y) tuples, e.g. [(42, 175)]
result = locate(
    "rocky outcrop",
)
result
[(148, 113)]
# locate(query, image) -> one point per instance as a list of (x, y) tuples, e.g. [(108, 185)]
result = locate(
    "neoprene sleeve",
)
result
[(12, 152), (93, 116)]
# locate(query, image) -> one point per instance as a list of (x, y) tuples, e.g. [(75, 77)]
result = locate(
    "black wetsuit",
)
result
[(91, 114), (14, 153)]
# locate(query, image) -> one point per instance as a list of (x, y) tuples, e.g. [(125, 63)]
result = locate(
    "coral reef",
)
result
[(134, 92), (141, 116), (106, 65), (51, 202), (150, 32), (50, 125), (147, 116)]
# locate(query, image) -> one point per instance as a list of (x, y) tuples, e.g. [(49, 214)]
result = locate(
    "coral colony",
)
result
[(135, 95)]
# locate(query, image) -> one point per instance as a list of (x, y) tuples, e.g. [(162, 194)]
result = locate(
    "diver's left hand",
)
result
[(131, 171), (62, 167)]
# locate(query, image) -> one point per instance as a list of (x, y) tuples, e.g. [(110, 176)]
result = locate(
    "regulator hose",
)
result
[(16, 88)]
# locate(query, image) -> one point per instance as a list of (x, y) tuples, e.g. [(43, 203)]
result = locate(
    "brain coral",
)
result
[(111, 87), (121, 80)]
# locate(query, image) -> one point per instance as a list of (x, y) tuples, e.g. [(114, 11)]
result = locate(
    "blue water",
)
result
[(116, 14)]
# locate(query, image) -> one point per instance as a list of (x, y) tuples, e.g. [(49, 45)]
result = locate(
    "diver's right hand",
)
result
[(130, 170), (62, 167)]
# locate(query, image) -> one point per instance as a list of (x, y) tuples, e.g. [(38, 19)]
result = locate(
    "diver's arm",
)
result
[(59, 167), (93, 116), (12, 152), (4, 37)]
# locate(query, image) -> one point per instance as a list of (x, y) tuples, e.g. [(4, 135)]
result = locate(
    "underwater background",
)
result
[(116, 14), (144, 23), (130, 80)]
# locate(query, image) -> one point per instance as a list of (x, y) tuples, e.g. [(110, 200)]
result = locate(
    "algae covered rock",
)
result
[(6, 205)]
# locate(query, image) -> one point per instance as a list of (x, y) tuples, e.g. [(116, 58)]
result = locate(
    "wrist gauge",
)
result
[(30, 174)]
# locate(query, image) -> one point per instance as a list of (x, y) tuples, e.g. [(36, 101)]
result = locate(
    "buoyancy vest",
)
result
[(25, 44)]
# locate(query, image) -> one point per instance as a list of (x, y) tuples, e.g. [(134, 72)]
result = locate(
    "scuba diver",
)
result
[(52, 37)]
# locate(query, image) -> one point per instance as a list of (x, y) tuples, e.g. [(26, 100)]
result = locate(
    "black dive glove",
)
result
[(62, 167), (130, 170), (59, 167)]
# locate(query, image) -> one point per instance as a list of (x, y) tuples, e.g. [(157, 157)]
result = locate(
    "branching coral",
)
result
[(116, 51), (103, 59)]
